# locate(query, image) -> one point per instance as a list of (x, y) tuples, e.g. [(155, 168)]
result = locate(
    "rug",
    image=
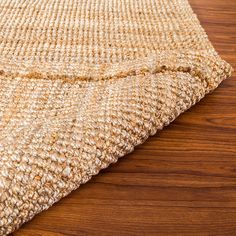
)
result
[(82, 82)]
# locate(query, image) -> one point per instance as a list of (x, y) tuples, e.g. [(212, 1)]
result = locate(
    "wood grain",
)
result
[(182, 181)]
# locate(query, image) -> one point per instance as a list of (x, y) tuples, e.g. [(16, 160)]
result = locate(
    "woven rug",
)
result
[(82, 82)]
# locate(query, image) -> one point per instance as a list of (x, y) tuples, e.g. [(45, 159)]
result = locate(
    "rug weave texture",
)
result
[(82, 82)]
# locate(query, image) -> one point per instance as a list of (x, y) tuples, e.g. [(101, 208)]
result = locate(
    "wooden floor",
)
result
[(182, 181)]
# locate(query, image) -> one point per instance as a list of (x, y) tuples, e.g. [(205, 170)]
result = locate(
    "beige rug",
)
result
[(82, 82)]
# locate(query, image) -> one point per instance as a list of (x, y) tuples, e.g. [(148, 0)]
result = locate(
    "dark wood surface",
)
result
[(182, 181)]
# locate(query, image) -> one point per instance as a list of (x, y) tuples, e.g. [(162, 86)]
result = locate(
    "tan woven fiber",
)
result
[(82, 82)]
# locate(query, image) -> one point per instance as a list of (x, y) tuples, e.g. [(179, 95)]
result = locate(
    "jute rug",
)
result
[(82, 82)]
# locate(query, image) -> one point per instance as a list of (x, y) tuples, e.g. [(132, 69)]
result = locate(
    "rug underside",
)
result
[(84, 82)]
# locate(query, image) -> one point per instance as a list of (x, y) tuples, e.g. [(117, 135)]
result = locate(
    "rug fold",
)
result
[(83, 83)]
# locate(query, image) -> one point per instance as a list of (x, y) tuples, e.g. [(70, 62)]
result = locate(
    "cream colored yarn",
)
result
[(82, 82)]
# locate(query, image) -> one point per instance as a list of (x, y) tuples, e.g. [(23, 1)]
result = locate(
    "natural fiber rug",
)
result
[(82, 82)]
